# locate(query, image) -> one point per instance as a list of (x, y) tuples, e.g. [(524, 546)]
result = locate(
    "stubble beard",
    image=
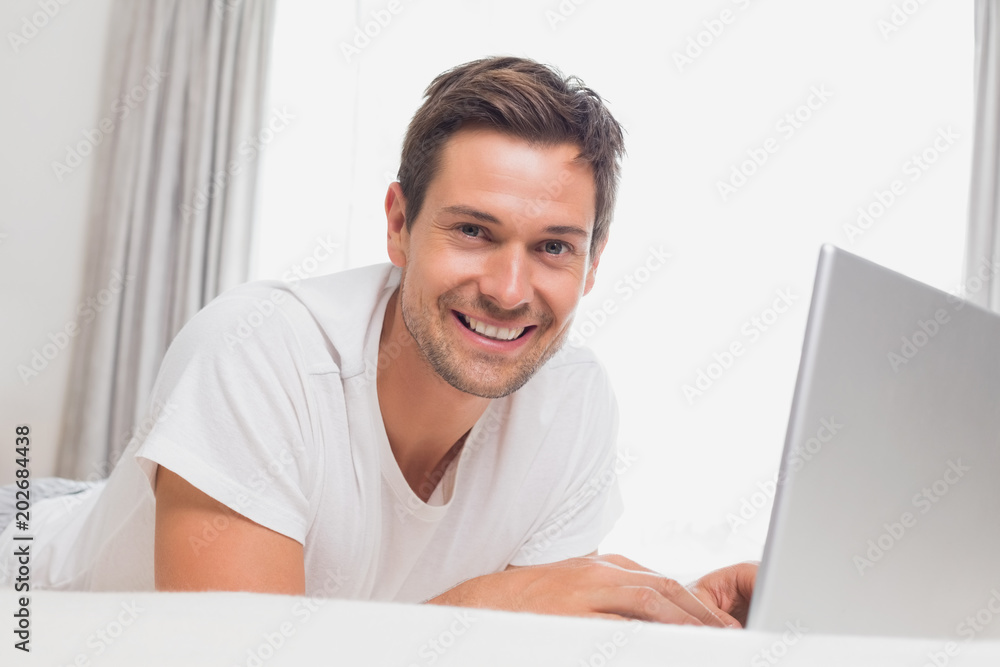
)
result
[(486, 379)]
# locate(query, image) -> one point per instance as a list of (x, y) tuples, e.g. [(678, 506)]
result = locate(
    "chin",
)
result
[(484, 389), (482, 382)]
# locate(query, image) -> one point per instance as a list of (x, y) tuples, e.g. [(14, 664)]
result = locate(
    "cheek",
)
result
[(433, 285), (563, 298), (449, 271)]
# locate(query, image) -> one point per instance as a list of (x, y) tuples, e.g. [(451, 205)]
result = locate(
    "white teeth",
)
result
[(490, 331)]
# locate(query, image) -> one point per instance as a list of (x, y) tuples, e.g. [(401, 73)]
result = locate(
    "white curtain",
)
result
[(172, 204), (982, 258)]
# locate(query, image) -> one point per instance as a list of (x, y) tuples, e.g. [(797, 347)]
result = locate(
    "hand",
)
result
[(727, 591), (597, 586)]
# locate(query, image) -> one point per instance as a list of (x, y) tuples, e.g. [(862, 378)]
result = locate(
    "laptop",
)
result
[(886, 519)]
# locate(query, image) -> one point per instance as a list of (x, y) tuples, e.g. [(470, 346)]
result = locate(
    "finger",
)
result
[(746, 580), (708, 599), (643, 603), (688, 601), (747, 577), (630, 573), (730, 621), (728, 589), (734, 583)]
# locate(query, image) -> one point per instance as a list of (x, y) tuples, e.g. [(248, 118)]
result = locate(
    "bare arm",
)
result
[(202, 545), (599, 586)]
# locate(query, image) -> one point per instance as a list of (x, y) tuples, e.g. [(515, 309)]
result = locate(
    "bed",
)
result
[(257, 630)]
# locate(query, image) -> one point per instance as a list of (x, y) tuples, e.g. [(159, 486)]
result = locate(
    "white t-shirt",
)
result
[(266, 401)]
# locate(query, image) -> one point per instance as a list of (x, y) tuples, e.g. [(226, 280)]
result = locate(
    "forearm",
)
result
[(485, 592), (601, 587)]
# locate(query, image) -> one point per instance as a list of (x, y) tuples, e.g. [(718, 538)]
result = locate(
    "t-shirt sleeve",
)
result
[(232, 393), (588, 502)]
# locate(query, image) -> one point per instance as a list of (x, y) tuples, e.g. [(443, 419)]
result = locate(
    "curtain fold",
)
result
[(172, 212), (982, 257)]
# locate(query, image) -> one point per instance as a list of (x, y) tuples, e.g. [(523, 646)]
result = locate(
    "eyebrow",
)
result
[(483, 216)]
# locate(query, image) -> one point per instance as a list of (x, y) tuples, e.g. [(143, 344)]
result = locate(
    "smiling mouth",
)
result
[(489, 330)]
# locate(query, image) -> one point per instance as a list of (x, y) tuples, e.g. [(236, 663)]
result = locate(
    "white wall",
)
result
[(50, 85), (695, 463)]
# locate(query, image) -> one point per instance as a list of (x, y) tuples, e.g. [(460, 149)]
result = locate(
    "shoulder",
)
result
[(322, 320), (252, 321)]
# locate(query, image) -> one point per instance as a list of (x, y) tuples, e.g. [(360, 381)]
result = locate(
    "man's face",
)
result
[(497, 260)]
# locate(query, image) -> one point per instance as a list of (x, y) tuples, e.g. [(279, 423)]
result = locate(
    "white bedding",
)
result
[(254, 630)]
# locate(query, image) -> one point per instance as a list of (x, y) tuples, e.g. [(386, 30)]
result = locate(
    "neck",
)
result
[(425, 417)]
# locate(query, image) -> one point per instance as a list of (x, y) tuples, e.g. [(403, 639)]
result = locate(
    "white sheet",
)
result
[(254, 630)]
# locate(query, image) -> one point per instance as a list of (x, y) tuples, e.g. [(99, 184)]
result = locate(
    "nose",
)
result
[(506, 278)]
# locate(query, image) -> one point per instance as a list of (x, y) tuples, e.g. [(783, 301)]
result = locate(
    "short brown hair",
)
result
[(527, 100)]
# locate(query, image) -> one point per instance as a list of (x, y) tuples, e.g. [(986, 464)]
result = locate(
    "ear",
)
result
[(398, 241), (592, 270)]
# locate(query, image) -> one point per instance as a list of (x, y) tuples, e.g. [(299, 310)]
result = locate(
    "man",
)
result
[(408, 432)]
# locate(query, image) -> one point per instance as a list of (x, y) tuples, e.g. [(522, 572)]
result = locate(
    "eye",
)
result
[(470, 230), (556, 247)]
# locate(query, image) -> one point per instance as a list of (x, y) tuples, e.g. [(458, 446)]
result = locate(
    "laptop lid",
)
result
[(886, 520)]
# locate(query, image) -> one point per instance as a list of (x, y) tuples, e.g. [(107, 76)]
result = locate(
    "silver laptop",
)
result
[(886, 519)]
